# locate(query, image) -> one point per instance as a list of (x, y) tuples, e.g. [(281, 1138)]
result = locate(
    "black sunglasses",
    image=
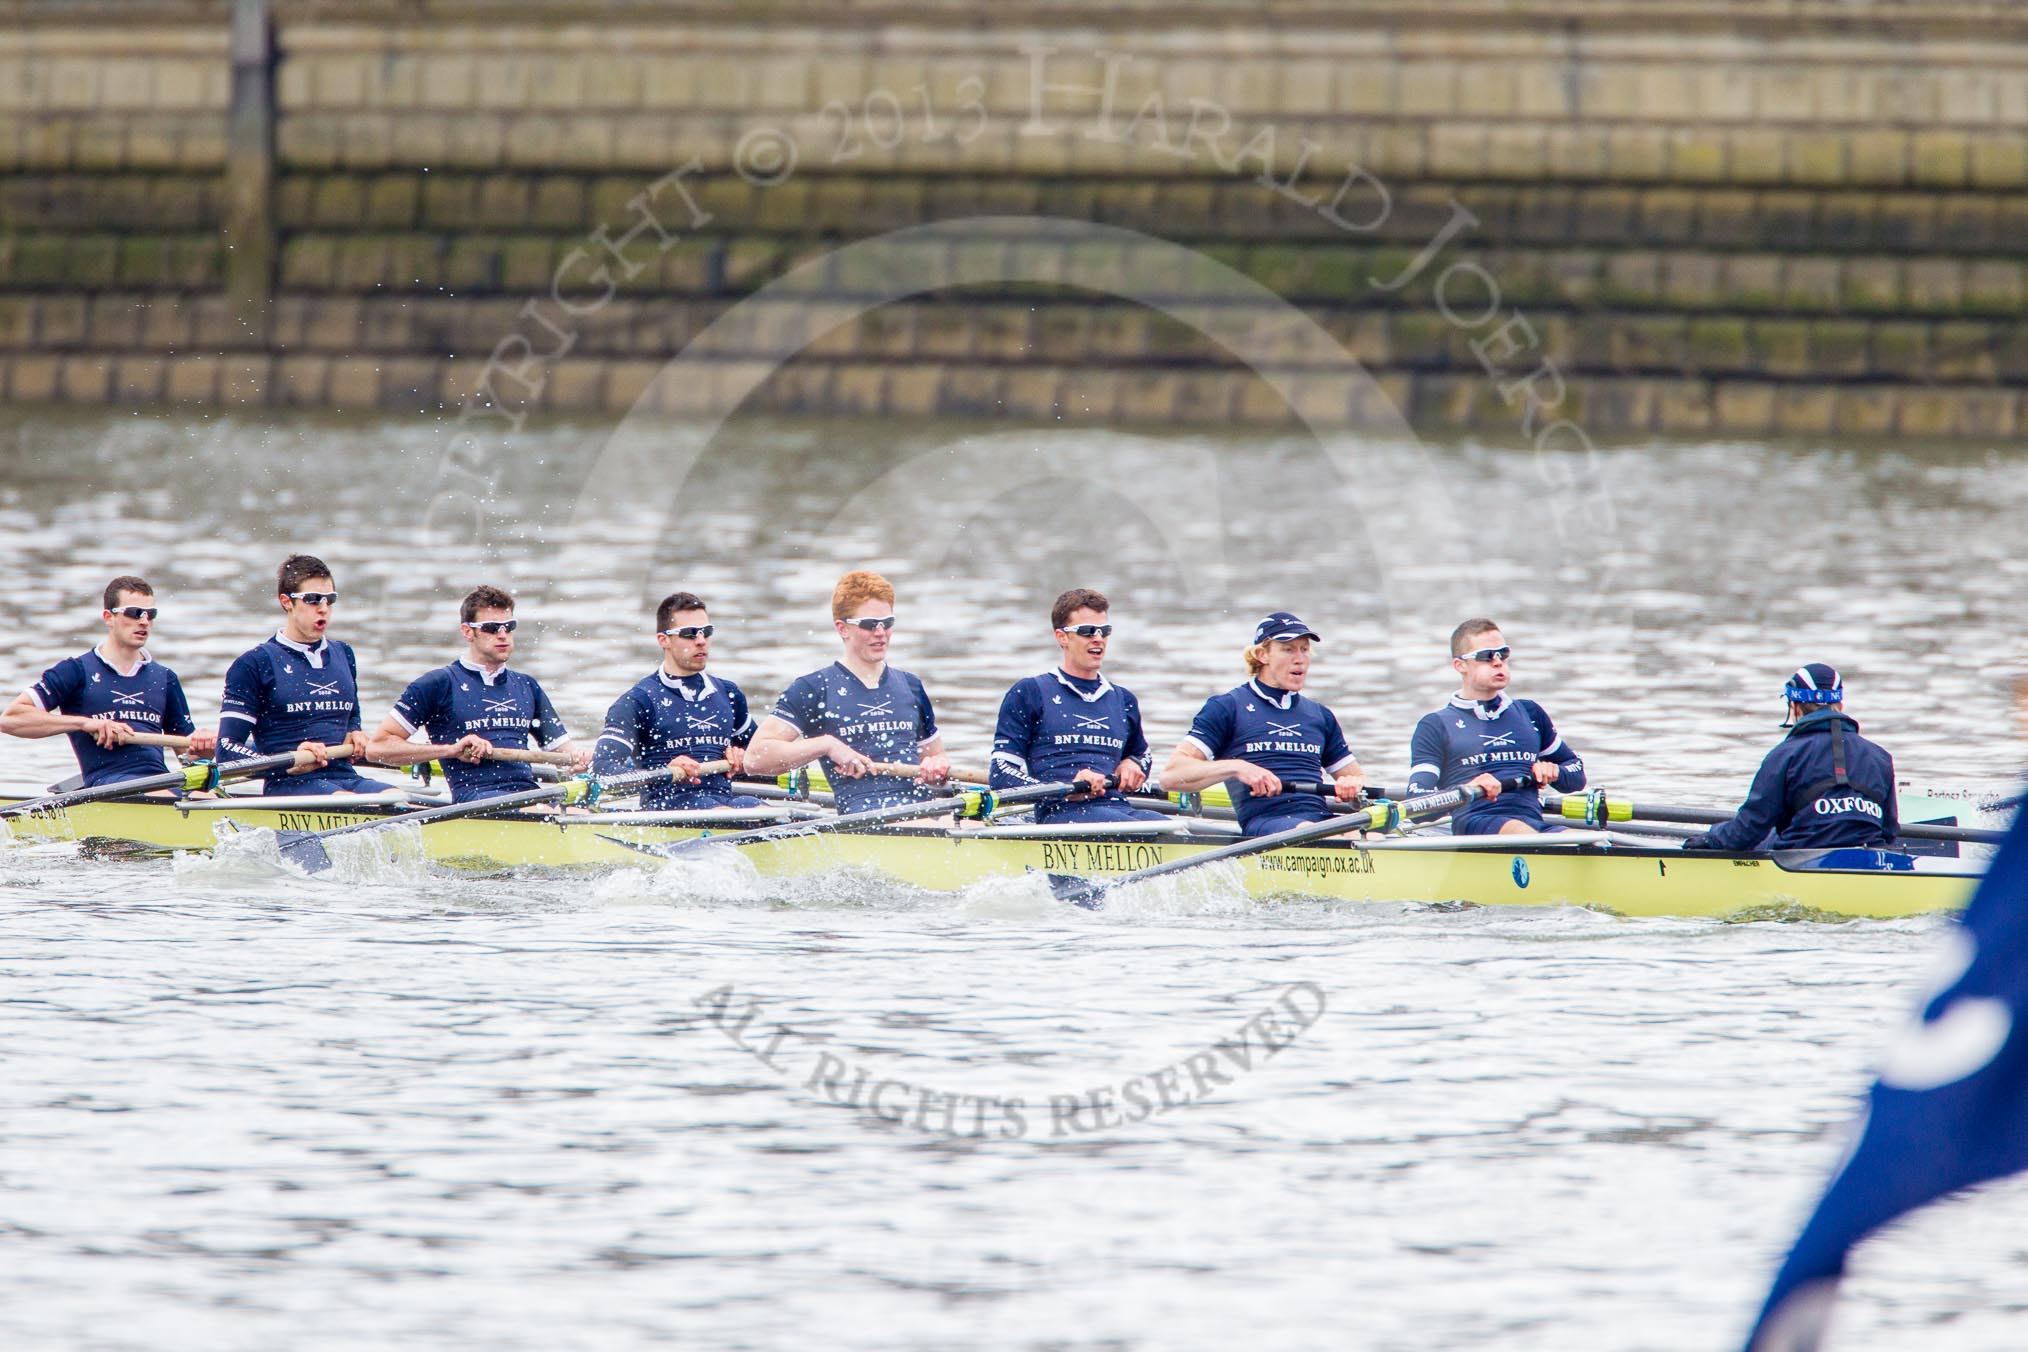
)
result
[(313, 598), (137, 612), (1089, 630), (873, 622), (494, 626), (1487, 655), (690, 631)]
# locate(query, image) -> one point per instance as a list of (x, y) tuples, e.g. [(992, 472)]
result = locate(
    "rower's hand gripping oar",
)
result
[(197, 778), (305, 849), (900, 812), (1595, 809), (1091, 892)]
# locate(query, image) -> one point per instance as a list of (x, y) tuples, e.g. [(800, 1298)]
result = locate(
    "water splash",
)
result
[(248, 856), (728, 878)]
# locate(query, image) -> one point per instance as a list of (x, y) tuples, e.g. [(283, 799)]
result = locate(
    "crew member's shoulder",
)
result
[(1230, 701), (432, 683), (811, 685), (65, 676), (1118, 689), (1030, 689), (260, 657), (1314, 706)]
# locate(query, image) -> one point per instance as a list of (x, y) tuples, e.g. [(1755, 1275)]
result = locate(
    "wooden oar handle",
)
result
[(900, 770), (706, 770), (519, 755), (303, 759)]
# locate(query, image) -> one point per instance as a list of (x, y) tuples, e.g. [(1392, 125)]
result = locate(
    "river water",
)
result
[(244, 1109)]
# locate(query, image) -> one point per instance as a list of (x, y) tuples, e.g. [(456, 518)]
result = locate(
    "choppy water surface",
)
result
[(243, 1109)]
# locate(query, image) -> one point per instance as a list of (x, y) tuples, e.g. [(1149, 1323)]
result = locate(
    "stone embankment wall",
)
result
[(1629, 217)]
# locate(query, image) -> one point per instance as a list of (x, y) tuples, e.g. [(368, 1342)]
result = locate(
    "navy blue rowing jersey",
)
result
[(281, 694), (1501, 737), (888, 721), (1282, 731), (1054, 725), (504, 707), (1823, 786), (149, 699), (664, 717)]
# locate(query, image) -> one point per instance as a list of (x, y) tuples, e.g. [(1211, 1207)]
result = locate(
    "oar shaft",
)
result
[(337, 751), (899, 812), (1421, 806), (1581, 809), (569, 789), (886, 770), (1296, 835), (191, 777)]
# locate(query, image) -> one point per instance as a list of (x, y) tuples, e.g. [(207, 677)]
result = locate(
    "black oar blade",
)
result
[(1089, 893), (304, 850)]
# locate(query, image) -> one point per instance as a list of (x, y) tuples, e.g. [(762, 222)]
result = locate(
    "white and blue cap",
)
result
[(1816, 683), (1282, 624)]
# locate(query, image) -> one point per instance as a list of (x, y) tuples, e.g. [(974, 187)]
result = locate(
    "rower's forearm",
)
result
[(39, 723), (398, 751), (771, 757), (1188, 774)]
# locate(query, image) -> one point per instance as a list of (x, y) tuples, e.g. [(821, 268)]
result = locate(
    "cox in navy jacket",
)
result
[(1823, 786)]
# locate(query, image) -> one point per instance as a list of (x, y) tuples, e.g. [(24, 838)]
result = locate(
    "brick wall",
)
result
[(1703, 216)]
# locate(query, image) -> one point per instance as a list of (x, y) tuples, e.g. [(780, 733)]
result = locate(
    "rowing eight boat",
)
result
[(1604, 869)]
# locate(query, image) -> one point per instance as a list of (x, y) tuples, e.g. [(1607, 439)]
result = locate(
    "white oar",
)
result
[(191, 778), (1595, 809), (1091, 892), (899, 812), (305, 849)]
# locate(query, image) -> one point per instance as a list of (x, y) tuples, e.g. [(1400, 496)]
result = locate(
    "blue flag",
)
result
[(1950, 1108)]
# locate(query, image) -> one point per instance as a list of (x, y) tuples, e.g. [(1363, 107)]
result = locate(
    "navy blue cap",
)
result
[(1282, 624), (1817, 683)]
